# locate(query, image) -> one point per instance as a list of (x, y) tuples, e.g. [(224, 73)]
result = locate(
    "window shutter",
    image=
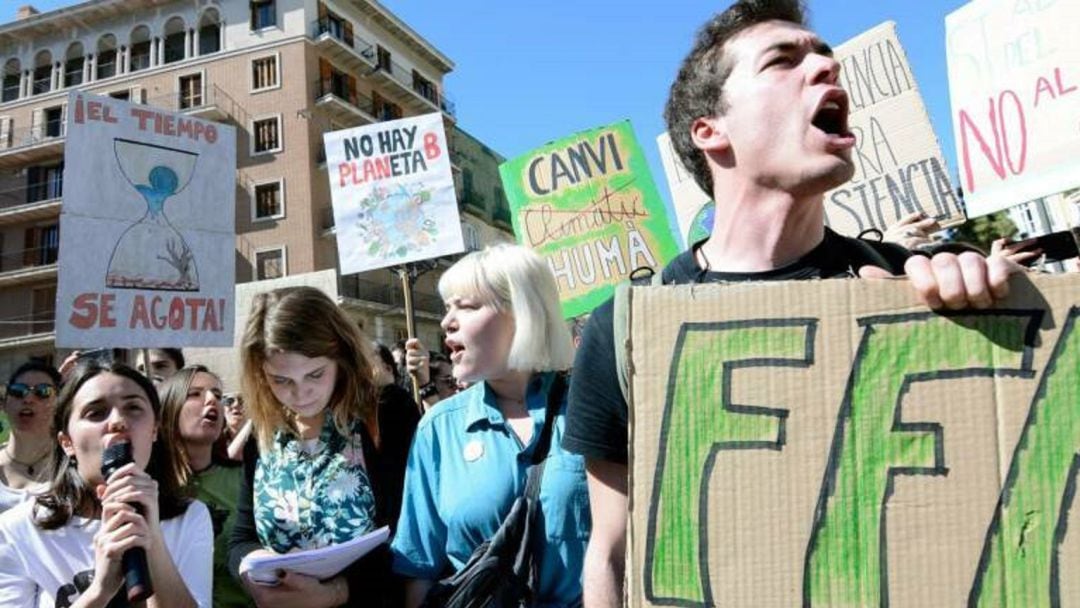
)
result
[(137, 94), (37, 124), (5, 132)]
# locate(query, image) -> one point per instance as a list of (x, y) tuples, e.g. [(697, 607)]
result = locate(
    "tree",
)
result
[(984, 230)]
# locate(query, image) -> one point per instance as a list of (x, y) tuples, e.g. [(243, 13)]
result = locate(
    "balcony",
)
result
[(386, 297), (32, 144), (339, 44), (414, 95), (28, 266), (333, 97), (30, 203), (212, 103), (27, 330)]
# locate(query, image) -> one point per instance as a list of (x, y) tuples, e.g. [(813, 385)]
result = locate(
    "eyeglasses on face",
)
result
[(20, 390)]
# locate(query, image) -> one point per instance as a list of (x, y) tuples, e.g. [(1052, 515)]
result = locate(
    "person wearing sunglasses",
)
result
[(24, 458)]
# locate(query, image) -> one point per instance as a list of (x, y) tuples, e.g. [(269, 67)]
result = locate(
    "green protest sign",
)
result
[(589, 205)]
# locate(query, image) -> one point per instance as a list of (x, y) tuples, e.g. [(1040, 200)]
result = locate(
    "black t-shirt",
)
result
[(596, 417)]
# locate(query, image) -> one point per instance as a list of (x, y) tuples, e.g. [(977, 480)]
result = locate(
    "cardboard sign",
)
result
[(147, 228), (588, 204), (1014, 85), (393, 193), (899, 168), (833, 443)]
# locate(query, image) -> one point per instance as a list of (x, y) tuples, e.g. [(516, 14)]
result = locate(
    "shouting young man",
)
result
[(758, 116)]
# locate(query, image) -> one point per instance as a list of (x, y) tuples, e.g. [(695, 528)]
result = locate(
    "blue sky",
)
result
[(529, 72)]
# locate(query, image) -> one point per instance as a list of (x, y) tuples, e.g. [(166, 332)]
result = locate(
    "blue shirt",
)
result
[(465, 469)]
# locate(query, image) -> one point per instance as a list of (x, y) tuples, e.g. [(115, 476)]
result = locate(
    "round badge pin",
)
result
[(473, 451)]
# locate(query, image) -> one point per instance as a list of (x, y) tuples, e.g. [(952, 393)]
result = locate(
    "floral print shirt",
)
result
[(308, 497)]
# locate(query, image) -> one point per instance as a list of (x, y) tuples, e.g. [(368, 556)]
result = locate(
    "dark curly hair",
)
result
[(698, 88)]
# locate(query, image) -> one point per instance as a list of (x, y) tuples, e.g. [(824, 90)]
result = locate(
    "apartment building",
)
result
[(282, 72)]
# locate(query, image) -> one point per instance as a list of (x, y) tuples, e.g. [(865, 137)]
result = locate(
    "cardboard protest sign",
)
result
[(147, 228), (588, 204), (1014, 85), (393, 193), (693, 208), (899, 168), (833, 443), (226, 361)]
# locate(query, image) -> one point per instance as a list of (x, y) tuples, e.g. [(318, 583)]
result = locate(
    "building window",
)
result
[(384, 62), (266, 135), (44, 183), (209, 32), (269, 264), (385, 110), (269, 201), (425, 88), (106, 64), (123, 95), (174, 46), (43, 309), (73, 71), (140, 56), (11, 87), (264, 73), (263, 14), (42, 245), (191, 91), (42, 79), (54, 121)]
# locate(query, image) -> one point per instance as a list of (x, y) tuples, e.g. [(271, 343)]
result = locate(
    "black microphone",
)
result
[(136, 572)]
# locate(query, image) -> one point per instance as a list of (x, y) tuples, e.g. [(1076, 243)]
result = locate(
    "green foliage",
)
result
[(984, 230)]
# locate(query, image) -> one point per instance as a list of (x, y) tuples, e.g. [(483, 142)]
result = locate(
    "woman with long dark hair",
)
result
[(65, 547), (24, 457)]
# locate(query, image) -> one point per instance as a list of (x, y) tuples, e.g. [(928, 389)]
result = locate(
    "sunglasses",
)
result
[(20, 390)]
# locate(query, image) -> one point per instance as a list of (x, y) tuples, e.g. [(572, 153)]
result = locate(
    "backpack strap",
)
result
[(555, 395), (620, 326), (862, 252)]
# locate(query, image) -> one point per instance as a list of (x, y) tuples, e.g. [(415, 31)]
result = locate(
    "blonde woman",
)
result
[(469, 460), (325, 465)]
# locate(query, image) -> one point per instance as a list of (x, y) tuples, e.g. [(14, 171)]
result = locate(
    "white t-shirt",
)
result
[(9, 497), (40, 568)]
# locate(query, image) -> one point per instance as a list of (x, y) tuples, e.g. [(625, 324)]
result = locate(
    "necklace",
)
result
[(29, 466)]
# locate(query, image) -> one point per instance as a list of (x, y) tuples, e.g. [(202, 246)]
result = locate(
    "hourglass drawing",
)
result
[(151, 254)]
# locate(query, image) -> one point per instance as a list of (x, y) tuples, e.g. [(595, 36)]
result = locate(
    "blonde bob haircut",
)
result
[(514, 279), (304, 320)]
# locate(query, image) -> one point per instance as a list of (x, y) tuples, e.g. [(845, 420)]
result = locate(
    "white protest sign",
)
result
[(693, 208), (147, 230), (393, 193), (1014, 84), (899, 168)]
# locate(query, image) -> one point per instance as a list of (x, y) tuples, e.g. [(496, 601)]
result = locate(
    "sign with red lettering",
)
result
[(1014, 83), (147, 229), (393, 193)]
